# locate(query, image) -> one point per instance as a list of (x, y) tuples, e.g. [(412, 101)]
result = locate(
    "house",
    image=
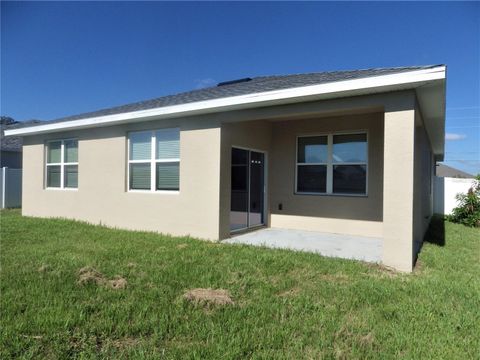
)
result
[(448, 183), (450, 172), (11, 147), (11, 163), (347, 152)]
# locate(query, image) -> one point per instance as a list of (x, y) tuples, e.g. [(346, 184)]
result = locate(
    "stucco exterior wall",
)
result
[(398, 183), (423, 183), (102, 195), (202, 206), (355, 215)]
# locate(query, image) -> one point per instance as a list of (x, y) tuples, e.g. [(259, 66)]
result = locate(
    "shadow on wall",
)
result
[(436, 231), (438, 195)]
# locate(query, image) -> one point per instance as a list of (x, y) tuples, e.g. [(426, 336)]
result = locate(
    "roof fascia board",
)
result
[(291, 95)]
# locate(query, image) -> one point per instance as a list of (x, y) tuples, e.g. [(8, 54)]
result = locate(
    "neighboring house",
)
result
[(11, 147), (11, 150), (448, 171), (449, 182), (11, 163), (349, 152)]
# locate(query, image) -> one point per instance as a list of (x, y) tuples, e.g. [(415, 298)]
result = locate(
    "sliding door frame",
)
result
[(265, 187)]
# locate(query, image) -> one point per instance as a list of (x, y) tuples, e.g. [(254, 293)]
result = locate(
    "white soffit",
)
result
[(374, 84)]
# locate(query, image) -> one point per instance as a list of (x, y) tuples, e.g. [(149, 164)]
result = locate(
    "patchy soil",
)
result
[(124, 343), (88, 275), (353, 333), (131, 265), (182, 246), (340, 278), (290, 292), (419, 268), (209, 297), (367, 340), (118, 283), (383, 271)]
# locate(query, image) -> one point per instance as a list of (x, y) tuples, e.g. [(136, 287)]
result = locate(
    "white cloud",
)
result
[(453, 137), (203, 83)]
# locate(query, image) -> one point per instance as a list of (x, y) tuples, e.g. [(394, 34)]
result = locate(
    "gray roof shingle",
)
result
[(448, 171), (14, 143), (254, 85)]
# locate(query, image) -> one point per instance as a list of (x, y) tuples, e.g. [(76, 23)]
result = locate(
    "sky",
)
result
[(65, 58)]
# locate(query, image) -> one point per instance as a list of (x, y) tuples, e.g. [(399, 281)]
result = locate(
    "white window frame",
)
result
[(62, 164), (153, 163), (330, 163)]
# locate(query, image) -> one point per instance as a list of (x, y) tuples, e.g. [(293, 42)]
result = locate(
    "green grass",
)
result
[(287, 305)]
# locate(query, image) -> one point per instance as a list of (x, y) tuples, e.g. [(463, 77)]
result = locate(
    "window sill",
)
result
[(333, 194), (164, 192), (61, 189)]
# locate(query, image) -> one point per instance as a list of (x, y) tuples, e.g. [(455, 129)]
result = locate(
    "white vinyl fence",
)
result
[(445, 190), (11, 188)]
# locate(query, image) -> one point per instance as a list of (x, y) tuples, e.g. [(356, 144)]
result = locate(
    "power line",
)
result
[(463, 127), (469, 162), (463, 108)]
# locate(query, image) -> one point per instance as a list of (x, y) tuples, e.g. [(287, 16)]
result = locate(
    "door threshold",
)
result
[(247, 230)]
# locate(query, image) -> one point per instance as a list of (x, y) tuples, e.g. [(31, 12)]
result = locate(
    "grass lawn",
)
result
[(286, 304)]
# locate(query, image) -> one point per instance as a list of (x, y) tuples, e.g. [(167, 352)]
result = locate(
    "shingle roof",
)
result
[(448, 171), (255, 85), (14, 143)]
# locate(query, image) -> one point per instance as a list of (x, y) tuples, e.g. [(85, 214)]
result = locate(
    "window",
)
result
[(62, 164), (332, 164), (312, 164), (154, 160)]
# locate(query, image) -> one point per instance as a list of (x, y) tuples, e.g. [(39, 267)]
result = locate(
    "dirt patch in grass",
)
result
[(182, 246), (290, 292), (339, 278), (353, 333), (118, 283), (419, 268), (366, 340), (131, 265), (382, 271), (209, 297), (88, 275), (125, 343)]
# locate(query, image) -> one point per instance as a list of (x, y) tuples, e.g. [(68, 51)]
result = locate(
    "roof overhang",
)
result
[(432, 102), (430, 85)]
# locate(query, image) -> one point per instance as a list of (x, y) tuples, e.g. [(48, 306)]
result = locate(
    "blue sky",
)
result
[(63, 58)]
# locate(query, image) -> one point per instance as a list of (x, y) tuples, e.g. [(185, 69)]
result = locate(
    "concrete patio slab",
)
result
[(334, 245)]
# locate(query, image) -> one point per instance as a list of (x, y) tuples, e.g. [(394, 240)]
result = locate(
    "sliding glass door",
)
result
[(247, 189)]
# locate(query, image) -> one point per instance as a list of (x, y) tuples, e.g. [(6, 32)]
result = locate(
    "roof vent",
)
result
[(230, 82)]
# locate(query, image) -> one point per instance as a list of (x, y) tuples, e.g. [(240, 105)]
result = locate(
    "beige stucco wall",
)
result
[(340, 214), (398, 183), (356, 215), (407, 183), (202, 207), (102, 195), (423, 187)]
